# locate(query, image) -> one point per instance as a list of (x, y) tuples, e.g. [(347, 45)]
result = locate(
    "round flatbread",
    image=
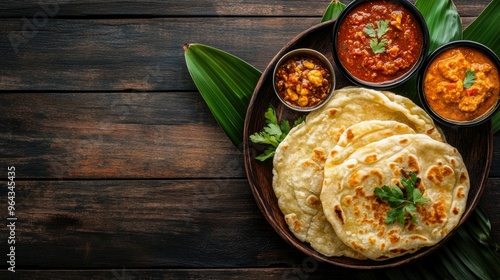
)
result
[(359, 216), (299, 159)]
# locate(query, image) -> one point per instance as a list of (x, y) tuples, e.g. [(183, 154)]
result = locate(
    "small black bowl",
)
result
[(403, 76), (421, 84)]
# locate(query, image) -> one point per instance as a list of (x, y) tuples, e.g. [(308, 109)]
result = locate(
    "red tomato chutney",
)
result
[(461, 84), (379, 41)]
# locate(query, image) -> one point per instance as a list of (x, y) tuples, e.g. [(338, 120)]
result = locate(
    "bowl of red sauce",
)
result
[(304, 79), (380, 43), (459, 84)]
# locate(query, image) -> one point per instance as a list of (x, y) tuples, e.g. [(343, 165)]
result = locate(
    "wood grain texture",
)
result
[(68, 8), (146, 223), (130, 54), (122, 169), (115, 135), (303, 270), (155, 223)]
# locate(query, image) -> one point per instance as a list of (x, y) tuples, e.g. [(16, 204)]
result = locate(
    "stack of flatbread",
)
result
[(326, 169)]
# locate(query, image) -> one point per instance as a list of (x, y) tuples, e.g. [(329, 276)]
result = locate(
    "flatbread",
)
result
[(358, 216), (299, 159)]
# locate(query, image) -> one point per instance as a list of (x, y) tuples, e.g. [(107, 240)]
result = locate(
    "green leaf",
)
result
[(443, 21), (225, 82), (270, 115), (370, 31), (272, 134), (333, 10), (382, 27), (484, 29), (378, 47), (299, 120), (409, 185), (470, 78), (392, 215), (397, 201), (264, 138), (268, 153), (495, 122), (393, 196), (401, 216), (410, 208), (273, 129)]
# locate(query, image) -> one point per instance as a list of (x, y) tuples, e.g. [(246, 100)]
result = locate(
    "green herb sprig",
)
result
[(273, 133), (382, 28), (399, 204), (470, 78)]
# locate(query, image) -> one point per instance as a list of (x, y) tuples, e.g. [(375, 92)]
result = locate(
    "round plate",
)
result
[(475, 144)]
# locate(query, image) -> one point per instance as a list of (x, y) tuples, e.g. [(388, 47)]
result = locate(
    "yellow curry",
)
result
[(461, 84)]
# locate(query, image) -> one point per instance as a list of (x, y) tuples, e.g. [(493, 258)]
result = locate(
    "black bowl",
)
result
[(403, 75), (421, 80)]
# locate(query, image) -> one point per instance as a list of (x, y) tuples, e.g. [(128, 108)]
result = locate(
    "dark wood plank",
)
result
[(130, 54), (163, 8), (145, 223), (120, 135), (154, 223), (124, 54), (306, 270), (495, 163), (115, 135), (65, 8), (202, 222)]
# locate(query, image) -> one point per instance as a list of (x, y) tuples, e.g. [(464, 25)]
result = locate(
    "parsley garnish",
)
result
[(273, 133), (378, 47), (470, 78), (382, 28), (399, 204), (370, 31)]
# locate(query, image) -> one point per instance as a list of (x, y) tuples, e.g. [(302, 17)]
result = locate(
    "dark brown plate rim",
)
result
[(474, 143)]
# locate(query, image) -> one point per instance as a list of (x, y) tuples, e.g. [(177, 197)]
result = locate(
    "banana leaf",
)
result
[(443, 21), (225, 82), (333, 10), (484, 29)]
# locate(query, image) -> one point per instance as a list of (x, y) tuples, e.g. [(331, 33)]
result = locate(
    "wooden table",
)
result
[(121, 171)]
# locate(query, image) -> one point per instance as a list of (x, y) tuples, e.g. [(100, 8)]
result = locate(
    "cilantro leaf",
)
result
[(396, 199), (285, 127), (273, 129), (409, 184), (272, 134), (421, 200), (392, 215), (370, 31), (393, 196), (299, 120), (470, 78), (382, 28), (378, 47), (268, 153), (270, 115), (264, 138)]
